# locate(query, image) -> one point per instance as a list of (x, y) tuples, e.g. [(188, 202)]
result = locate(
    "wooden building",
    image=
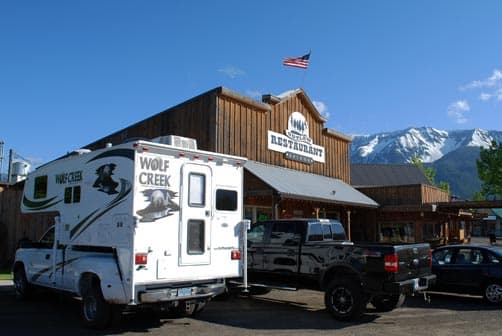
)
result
[(297, 167), (14, 226), (411, 209)]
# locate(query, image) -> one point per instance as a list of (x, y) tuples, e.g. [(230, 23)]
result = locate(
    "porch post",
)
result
[(348, 224)]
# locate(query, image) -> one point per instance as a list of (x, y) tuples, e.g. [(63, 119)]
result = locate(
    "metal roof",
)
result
[(362, 174), (291, 183)]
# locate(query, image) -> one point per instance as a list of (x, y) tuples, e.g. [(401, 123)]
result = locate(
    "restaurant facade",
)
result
[(297, 167)]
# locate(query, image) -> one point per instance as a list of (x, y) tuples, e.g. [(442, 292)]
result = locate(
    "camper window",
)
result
[(76, 194), (72, 194), (226, 200), (197, 190), (195, 237), (40, 187), (67, 195)]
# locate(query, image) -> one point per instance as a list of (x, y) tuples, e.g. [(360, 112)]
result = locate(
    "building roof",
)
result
[(365, 175), (496, 212), (295, 184)]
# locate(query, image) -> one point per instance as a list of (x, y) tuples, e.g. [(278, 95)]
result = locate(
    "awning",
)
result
[(295, 184)]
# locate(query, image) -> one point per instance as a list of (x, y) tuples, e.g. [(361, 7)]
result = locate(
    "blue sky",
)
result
[(74, 71)]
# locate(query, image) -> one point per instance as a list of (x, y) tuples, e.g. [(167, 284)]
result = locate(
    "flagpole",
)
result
[(305, 72), (303, 78)]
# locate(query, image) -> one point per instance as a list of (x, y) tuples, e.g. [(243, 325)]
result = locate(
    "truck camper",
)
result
[(139, 224)]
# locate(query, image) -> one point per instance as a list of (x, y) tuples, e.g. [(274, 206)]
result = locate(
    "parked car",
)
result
[(469, 269)]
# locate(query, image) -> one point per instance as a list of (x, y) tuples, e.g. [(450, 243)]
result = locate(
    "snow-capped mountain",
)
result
[(428, 143), (452, 154)]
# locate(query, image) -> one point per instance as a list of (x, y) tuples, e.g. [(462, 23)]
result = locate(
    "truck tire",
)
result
[(96, 312), (23, 288), (344, 299), (385, 303)]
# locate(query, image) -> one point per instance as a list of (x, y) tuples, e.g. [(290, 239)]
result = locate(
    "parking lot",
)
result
[(276, 313)]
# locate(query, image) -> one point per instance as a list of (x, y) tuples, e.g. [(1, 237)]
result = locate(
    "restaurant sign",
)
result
[(295, 143)]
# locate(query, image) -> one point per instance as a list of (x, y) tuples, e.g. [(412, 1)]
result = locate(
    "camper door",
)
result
[(195, 223)]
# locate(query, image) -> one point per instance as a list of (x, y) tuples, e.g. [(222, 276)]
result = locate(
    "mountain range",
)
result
[(452, 154)]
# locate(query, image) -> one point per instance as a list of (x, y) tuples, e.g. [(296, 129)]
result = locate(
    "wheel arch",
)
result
[(339, 272), (18, 264), (86, 281)]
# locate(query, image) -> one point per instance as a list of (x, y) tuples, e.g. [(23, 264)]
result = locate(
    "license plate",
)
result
[(184, 291)]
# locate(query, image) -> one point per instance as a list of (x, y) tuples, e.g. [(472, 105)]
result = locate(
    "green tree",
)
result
[(445, 186), (478, 196), (490, 170), (430, 174)]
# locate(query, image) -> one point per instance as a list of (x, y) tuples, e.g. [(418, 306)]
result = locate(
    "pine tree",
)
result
[(490, 170)]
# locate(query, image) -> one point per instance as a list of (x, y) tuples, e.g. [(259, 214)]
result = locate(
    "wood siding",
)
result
[(243, 130), (14, 226), (406, 194), (194, 118), (227, 122)]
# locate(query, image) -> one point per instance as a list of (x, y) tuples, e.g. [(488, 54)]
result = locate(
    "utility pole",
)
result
[(1, 158)]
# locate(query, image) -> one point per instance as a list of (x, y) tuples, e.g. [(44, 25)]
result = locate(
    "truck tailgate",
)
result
[(414, 261)]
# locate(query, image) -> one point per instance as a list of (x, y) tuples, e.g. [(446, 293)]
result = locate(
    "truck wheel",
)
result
[(493, 293), (385, 303), (344, 300), (96, 312), (23, 288)]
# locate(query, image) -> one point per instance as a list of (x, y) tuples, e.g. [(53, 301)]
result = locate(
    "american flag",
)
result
[(297, 62)]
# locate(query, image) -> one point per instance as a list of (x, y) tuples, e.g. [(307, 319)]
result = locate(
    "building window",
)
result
[(397, 233), (257, 214)]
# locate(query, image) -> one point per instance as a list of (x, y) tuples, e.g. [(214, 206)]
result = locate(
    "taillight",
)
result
[(235, 255), (141, 258), (391, 263)]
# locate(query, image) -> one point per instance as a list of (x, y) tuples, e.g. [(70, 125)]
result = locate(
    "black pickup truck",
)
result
[(315, 253)]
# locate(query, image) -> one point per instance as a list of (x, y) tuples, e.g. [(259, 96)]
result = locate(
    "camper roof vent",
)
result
[(177, 141)]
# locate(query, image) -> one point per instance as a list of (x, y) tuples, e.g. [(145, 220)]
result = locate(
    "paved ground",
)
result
[(277, 313)]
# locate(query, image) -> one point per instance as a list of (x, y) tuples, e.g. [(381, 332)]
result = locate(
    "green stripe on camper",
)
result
[(34, 205), (127, 153)]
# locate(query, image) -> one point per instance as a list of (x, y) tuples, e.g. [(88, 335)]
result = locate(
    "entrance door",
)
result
[(195, 225)]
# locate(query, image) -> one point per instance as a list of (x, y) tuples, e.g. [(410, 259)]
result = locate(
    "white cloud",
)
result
[(457, 109), (321, 108), (232, 71), (495, 80), (485, 96)]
